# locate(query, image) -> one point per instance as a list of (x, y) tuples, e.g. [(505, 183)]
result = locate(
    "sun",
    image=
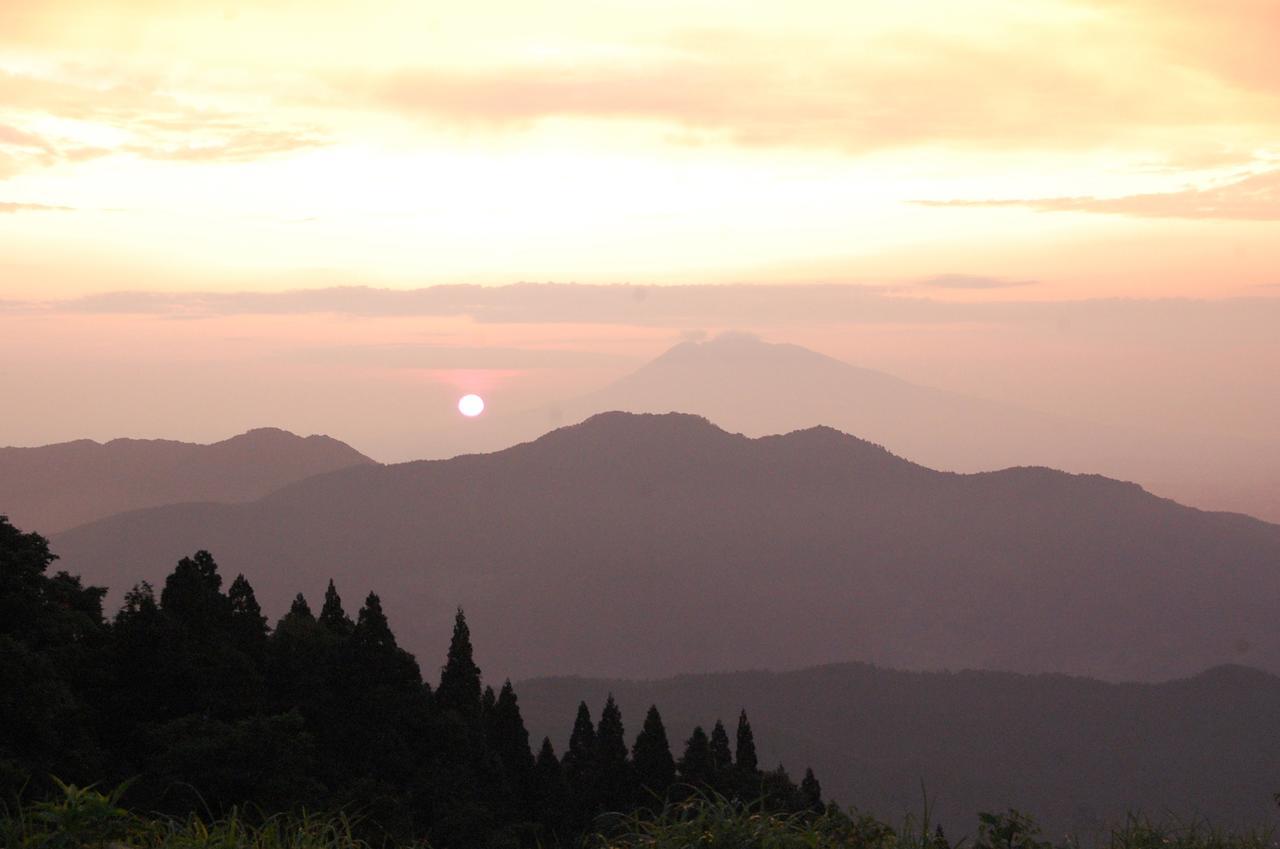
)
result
[(471, 405)]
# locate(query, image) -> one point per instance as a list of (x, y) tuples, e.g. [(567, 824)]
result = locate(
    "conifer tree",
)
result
[(616, 778), (459, 688), (811, 793), (510, 737), (299, 610), (551, 794), (372, 628), (695, 766), (651, 756), (721, 757), (509, 740), (244, 604), (745, 751), (488, 701), (192, 594), (247, 621), (580, 769), (332, 617)]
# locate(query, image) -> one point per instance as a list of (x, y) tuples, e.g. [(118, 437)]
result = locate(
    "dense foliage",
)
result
[(191, 696), (86, 817)]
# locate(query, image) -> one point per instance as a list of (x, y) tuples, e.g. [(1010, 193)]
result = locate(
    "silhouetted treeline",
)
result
[(191, 692)]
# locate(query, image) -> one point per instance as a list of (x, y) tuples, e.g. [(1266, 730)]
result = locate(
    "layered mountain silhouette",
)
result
[(757, 388), (646, 545), (55, 487), (1073, 752)]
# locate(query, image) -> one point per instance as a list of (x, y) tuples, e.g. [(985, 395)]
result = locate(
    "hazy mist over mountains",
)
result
[(1080, 753), (55, 487), (747, 385), (788, 550)]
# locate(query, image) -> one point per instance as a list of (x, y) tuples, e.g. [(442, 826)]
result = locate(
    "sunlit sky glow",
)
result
[(236, 144), (1037, 150)]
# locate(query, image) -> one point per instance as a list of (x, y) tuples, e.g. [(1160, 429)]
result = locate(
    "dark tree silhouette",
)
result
[(459, 689), (651, 755), (193, 694), (332, 617), (580, 765), (614, 772), (811, 792), (721, 756), (696, 766), (745, 751)]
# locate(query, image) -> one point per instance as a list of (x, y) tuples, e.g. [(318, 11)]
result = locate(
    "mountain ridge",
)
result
[(785, 551), (59, 486), (1075, 752)]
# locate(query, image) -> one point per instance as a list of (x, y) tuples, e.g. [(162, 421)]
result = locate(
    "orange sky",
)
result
[(1037, 150)]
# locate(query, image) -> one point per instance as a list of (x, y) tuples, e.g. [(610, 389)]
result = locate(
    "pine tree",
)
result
[(509, 740), (192, 594), (510, 737), (721, 757), (247, 621), (459, 688), (299, 610), (580, 767), (651, 756), (616, 778), (811, 793), (745, 751), (552, 798), (372, 628), (696, 767), (332, 617)]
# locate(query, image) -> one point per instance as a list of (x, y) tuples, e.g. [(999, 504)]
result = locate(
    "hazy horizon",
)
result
[(219, 216)]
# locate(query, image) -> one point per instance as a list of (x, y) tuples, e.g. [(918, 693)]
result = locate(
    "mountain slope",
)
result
[(644, 545), (755, 387), (1073, 752), (55, 487)]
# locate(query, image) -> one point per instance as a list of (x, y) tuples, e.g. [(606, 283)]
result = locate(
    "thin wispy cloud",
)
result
[(971, 281), (1252, 198), (10, 206), (692, 308)]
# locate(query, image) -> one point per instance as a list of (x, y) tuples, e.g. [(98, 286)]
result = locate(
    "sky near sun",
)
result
[(155, 154)]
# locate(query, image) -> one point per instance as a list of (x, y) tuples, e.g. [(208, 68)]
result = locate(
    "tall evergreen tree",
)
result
[(192, 594), (551, 795), (299, 610), (811, 793), (372, 628), (509, 741), (580, 768), (615, 777), (696, 766), (459, 688), (651, 756), (247, 622), (332, 617), (510, 738), (745, 751), (721, 757)]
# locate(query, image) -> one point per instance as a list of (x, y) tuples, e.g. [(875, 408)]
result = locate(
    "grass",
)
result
[(86, 818)]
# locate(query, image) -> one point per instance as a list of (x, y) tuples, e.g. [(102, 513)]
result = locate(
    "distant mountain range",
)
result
[(758, 388), (55, 487), (1075, 753), (647, 545)]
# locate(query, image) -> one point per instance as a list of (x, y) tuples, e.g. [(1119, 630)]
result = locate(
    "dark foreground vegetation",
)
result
[(215, 730), (193, 700), (85, 817)]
